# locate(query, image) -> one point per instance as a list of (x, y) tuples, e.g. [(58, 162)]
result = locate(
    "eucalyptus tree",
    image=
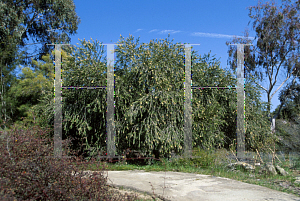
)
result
[(277, 31), (17, 24), (48, 17)]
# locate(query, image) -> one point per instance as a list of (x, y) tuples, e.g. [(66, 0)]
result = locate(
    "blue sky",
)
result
[(208, 23)]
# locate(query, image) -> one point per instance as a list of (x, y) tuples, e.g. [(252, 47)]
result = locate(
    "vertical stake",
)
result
[(240, 132), (57, 103)]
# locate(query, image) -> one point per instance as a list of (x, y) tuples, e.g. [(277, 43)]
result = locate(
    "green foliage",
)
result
[(48, 15), (290, 110), (288, 121), (207, 158), (8, 62), (154, 121), (16, 25), (296, 163), (288, 132), (31, 87)]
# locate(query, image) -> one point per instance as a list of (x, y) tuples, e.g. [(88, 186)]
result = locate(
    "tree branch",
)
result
[(283, 83), (255, 81), (55, 29), (31, 21), (283, 102)]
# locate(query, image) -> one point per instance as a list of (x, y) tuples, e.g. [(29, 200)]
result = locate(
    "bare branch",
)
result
[(31, 43), (255, 81), (283, 83)]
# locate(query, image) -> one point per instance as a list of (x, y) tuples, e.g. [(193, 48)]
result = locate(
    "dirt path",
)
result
[(131, 192)]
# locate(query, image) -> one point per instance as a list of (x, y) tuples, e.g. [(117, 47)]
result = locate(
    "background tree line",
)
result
[(151, 122)]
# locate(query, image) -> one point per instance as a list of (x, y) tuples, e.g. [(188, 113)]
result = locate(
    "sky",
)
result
[(208, 23)]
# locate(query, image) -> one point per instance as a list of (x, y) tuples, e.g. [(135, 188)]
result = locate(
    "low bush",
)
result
[(28, 171)]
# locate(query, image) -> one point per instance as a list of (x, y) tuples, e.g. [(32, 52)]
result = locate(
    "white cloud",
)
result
[(153, 30), (199, 34), (214, 35), (169, 31), (164, 31)]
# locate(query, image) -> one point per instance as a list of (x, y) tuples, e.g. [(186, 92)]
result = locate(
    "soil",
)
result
[(132, 192), (282, 184), (118, 190), (287, 184)]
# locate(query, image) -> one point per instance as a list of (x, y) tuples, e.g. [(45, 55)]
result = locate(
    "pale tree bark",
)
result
[(268, 91), (3, 110), (277, 34)]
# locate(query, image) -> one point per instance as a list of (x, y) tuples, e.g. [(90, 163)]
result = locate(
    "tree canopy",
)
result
[(48, 17), (17, 24), (151, 121)]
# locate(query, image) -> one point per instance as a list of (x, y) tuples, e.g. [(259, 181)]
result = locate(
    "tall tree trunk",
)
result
[(273, 125), (1, 92), (3, 103), (269, 113)]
